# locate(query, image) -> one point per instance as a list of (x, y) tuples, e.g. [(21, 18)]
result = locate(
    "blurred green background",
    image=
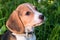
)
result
[(50, 30)]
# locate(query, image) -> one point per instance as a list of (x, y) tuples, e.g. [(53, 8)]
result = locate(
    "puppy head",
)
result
[(25, 16)]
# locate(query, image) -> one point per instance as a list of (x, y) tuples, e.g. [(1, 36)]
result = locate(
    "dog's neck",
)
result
[(27, 34), (18, 36), (23, 36)]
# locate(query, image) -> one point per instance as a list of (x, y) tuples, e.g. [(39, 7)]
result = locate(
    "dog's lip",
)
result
[(38, 24)]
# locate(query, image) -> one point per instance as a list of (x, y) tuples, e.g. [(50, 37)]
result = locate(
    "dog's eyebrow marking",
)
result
[(29, 6)]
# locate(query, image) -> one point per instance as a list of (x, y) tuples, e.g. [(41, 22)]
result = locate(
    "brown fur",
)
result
[(14, 23)]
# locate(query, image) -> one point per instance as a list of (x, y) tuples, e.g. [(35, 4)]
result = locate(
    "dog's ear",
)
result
[(14, 23)]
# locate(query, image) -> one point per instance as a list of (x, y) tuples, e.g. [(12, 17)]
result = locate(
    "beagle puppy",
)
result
[(22, 21)]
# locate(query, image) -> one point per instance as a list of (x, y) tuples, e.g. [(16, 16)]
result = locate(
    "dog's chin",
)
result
[(38, 24)]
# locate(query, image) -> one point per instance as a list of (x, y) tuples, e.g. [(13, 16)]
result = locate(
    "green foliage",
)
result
[(50, 30), (55, 34), (3, 29)]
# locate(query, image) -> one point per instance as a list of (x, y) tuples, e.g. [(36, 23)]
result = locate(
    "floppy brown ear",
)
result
[(14, 23)]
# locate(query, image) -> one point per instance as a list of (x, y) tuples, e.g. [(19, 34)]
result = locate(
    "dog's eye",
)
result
[(27, 13), (35, 8)]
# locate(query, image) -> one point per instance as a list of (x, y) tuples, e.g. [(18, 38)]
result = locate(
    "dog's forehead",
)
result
[(25, 6)]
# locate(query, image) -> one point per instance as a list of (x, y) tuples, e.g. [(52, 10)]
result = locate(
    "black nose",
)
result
[(41, 17)]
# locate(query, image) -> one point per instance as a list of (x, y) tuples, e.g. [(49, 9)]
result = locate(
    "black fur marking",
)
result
[(7, 36)]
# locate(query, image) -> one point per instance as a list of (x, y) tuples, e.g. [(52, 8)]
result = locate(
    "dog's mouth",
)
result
[(38, 24)]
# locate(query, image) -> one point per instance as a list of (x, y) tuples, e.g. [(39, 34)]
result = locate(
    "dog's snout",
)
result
[(41, 17)]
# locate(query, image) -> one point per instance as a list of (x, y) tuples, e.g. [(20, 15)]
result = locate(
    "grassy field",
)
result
[(50, 30)]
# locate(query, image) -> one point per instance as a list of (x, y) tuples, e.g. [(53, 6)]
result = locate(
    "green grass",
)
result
[(50, 30)]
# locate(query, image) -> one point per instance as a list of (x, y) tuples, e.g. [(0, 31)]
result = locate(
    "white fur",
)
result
[(23, 37)]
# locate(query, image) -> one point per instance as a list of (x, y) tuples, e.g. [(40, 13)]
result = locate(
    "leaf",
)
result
[(3, 29)]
